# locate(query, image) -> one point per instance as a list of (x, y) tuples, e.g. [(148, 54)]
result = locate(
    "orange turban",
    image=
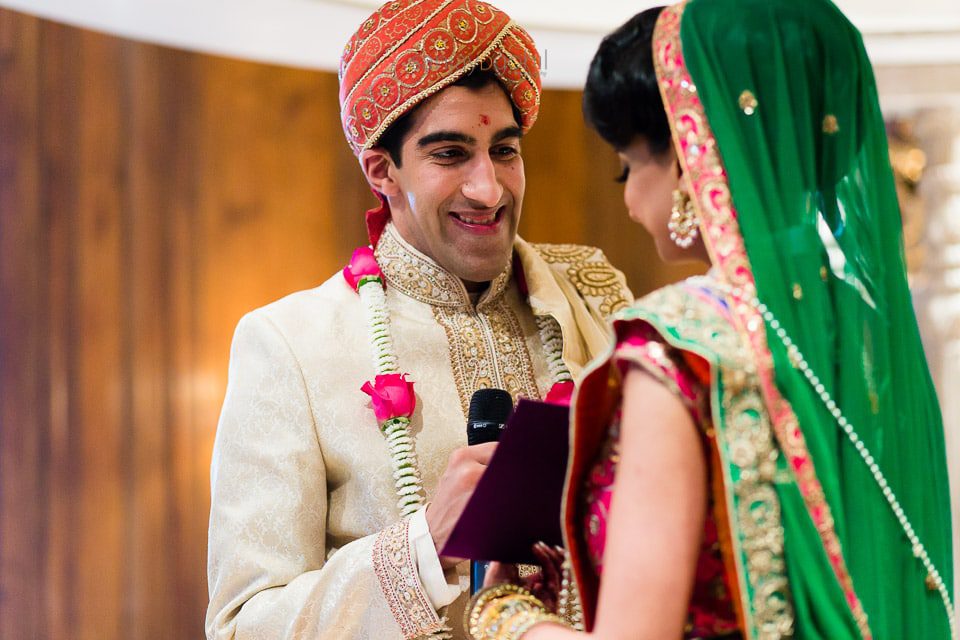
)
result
[(409, 50)]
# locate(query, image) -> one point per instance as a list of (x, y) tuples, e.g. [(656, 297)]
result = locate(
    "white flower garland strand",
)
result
[(796, 357), (403, 455), (552, 340)]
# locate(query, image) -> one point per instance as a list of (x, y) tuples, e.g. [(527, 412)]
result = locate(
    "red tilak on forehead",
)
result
[(484, 119)]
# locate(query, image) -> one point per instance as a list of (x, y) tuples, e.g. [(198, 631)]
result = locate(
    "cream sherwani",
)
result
[(306, 540)]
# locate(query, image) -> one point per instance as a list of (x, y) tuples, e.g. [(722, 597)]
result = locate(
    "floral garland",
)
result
[(392, 394)]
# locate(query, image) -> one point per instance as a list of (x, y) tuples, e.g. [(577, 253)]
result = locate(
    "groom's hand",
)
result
[(457, 483)]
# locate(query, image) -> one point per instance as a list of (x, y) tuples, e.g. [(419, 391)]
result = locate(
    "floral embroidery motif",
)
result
[(700, 158), (397, 575), (593, 276)]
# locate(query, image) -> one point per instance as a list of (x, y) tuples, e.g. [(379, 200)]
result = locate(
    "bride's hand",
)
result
[(545, 584)]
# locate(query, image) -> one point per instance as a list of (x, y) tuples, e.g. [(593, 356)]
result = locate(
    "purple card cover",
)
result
[(517, 501)]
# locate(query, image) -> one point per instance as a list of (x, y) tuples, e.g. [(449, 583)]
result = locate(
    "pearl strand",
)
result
[(797, 358)]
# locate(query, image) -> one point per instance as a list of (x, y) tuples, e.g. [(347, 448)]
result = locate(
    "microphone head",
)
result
[(489, 410)]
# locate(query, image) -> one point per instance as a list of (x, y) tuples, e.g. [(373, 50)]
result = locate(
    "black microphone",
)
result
[(489, 410)]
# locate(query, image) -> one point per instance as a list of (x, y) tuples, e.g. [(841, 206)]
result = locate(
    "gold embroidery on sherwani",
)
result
[(415, 275), (487, 350), (487, 344), (393, 564), (594, 277)]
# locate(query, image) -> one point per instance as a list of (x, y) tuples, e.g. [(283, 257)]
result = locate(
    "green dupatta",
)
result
[(773, 107)]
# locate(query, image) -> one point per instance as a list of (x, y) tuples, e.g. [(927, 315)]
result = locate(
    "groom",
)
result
[(320, 526)]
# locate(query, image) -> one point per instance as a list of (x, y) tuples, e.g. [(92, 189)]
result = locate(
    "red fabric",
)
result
[(409, 49), (377, 219)]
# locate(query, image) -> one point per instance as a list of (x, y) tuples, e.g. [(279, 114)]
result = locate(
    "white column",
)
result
[(937, 285)]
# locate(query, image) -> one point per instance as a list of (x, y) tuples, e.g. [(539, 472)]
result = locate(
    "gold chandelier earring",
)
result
[(683, 220)]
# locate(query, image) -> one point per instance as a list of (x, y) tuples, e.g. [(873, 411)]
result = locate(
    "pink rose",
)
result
[(392, 396), (363, 264), (560, 393)]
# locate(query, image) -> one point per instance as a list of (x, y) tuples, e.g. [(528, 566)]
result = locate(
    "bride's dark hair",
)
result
[(621, 99)]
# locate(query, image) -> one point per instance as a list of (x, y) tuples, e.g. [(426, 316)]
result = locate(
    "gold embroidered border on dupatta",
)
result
[(701, 162)]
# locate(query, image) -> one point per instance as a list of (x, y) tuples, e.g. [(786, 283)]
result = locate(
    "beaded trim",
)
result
[(411, 608), (797, 358)]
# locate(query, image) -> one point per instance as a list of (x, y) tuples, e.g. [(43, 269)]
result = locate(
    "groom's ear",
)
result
[(380, 171)]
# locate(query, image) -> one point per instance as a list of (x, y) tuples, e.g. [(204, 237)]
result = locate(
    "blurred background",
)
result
[(166, 167)]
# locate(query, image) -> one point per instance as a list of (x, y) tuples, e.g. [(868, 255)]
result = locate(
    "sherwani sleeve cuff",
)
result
[(396, 570), (435, 582)]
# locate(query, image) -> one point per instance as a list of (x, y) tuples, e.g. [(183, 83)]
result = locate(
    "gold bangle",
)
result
[(498, 611), (521, 622), (471, 615)]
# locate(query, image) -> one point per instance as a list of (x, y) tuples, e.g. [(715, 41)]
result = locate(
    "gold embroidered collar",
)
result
[(412, 273)]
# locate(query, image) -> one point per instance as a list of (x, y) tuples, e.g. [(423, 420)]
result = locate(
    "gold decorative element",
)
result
[(527, 570), (487, 350), (909, 164), (505, 612), (748, 102), (830, 124), (683, 220), (797, 291), (569, 606), (590, 273), (398, 578), (823, 273), (415, 275)]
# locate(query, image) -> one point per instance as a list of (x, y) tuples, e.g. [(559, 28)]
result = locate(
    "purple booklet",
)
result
[(517, 501)]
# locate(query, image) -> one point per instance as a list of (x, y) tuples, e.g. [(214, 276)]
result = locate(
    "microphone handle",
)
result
[(478, 570), (489, 410)]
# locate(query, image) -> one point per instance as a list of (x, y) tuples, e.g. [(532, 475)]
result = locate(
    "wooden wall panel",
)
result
[(148, 198), (24, 421)]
